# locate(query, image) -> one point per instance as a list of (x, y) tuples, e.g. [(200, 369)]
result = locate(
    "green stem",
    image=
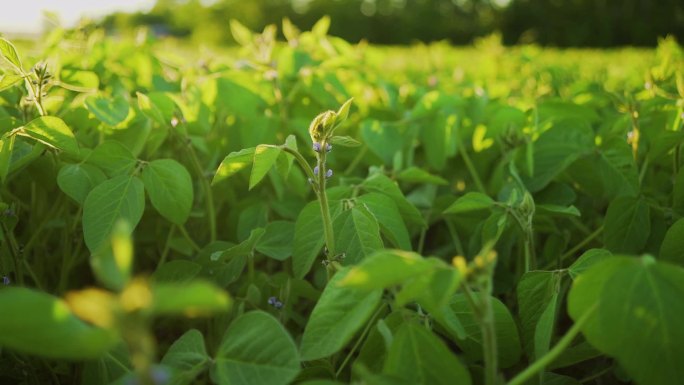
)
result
[(484, 313), (211, 212), (552, 354), (323, 201), (577, 247), (471, 169), (359, 340), (12, 247), (187, 236), (300, 159), (34, 95), (167, 247)]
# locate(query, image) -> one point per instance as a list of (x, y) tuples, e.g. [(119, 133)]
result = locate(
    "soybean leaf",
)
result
[(191, 298), (113, 365), (627, 225), (79, 80), (44, 325), (177, 271), (9, 53), (386, 268), (245, 248), (109, 111), (639, 298), (417, 175), (557, 148), (9, 80), (618, 169), (6, 147), (256, 350), (113, 158), (387, 214), (420, 358), (169, 186), (338, 315), (471, 201), (308, 239), (672, 248), (277, 240), (357, 234), (188, 356), (119, 198), (265, 157), (536, 291), (586, 260), (233, 163), (77, 180), (52, 131), (344, 141), (382, 184), (507, 338)]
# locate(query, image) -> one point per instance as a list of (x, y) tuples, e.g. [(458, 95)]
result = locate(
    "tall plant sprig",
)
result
[(321, 132)]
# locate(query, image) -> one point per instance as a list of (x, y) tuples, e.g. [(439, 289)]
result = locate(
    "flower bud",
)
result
[(329, 173), (316, 146), (315, 170), (322, 125)]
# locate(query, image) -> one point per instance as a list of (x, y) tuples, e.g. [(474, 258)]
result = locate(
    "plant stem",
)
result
[(12, 247), (323, 201), (185, 234), (358, 341), (211, 212), (552, 354), (471, 169), (484, 313), (577, 247)]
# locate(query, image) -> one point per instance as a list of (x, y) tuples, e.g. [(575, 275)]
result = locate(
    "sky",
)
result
[(26, 16)]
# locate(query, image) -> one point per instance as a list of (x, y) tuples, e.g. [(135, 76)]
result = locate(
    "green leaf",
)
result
[(557, 148), (420, 176), (507, 338), (386, 268), (241, 34), (78, 180), (277, 240), (118, 198), (618, 169), (157, 106), (9, 80), (40, 324), (169, 187), (113, 158), (79, 80), (537, 290), (188, 356), (338, 315), (233, 163), (627, 225), (256, 350), (357, 234), (586, 260), (190, 298), (471, 201), (344, 141), (343, 111), (387, 214), (672, 248), (636, 315), (113, 365), (382, 184), (420, 358), (53, 132), (308, 239), (265, 157), (109, 111), (6, 147), (245, 248), (177, 271), (556, 210), (9, 53)]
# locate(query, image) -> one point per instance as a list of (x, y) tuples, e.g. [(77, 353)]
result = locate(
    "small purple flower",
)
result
[(273, 301), (329, 173), (317, 146), (5, 280), (328, 147), (316, 171)]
